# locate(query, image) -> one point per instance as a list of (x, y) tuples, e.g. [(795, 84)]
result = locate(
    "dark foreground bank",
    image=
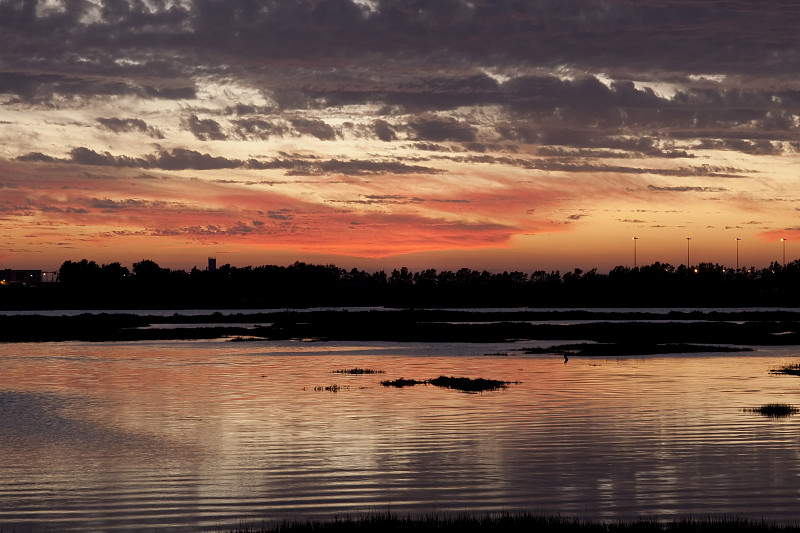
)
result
[(520, 522)]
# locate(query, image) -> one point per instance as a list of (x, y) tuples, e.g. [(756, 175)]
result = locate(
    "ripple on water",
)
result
[(200, 435)]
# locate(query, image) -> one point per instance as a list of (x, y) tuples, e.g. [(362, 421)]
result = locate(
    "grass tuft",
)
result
[(358, 371)]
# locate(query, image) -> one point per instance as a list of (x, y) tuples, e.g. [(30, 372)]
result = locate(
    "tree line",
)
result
[(86, 284)]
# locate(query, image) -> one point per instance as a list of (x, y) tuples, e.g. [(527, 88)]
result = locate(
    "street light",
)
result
[(634, 251), (688, 239), (784, 251), (737, 253)]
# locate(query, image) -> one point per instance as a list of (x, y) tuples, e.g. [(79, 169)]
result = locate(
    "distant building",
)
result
[(212, 264), (9, 276)]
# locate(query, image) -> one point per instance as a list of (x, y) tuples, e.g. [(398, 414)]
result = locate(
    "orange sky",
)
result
[(133, 131)]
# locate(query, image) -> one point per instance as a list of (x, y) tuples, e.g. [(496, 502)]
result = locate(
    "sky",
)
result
[(374, 134)]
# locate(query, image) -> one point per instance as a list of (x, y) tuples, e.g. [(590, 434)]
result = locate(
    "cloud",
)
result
[(384, 131), (36, 157), (118, 125), (684, 188), (756, 147), (185, 159), (283, 214), (315, 128), (442, 129), (108, 204), (205, 129), (357, 168), (259, 129)]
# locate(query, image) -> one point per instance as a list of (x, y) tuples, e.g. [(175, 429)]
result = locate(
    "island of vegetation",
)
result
[(463, 384)]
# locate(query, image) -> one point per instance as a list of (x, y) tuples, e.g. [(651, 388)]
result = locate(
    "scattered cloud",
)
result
[(478, 121)]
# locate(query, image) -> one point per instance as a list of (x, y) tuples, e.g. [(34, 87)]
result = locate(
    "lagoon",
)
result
[(207, 435)]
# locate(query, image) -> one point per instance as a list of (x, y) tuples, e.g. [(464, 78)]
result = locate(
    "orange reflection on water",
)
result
[(181, 434)]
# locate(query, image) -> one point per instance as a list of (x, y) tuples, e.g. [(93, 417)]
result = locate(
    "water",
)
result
[(207, 435)]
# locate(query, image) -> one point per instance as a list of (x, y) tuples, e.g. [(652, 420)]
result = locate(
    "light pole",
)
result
[(784, 251), (634, 251), (688, 239), (737, 253)]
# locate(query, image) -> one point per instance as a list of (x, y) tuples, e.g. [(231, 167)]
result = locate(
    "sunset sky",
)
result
[(498, 134)]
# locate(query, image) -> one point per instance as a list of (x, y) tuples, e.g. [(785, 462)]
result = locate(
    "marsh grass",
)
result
[(518, 523), (774, 410), (791, 369), (357, 371)]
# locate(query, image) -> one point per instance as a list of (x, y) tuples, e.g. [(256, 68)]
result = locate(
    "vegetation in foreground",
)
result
[(774, 410), (518, 522)]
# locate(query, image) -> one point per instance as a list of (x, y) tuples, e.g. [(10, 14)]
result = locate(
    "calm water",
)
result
[(204, 435)]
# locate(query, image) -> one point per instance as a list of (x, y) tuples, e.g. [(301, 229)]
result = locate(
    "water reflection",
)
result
[(132, 436)]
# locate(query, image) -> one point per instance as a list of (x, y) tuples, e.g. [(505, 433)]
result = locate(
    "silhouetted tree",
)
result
[(83, 272)]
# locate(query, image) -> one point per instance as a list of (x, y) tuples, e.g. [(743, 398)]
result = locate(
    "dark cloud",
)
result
[(358, 168), (68, 210), (282, 214), (756, 147), (119, 125), (33, 87), (684, 36), (205, 129), (384, 131), (185, 159), (574, 81), (259, 129), (170, 93), (107, 204), (314, 127), (442, 129), (36, 157), (85, 156), (684, 188), (182, 159), (431, 147), (236, 229)]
